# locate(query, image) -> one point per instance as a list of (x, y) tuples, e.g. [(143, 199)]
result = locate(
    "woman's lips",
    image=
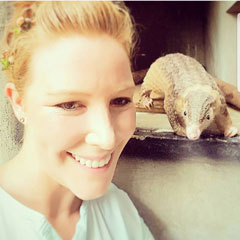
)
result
[(91, 162)]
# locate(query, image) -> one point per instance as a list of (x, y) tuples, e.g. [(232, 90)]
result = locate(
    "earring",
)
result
[(22, 120)]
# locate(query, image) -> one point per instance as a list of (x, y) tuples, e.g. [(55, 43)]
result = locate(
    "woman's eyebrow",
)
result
[(131, 88), (67, 93), (77, 93)]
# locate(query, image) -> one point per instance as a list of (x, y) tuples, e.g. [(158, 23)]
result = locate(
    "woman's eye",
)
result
[(70, 106), (120, 102)]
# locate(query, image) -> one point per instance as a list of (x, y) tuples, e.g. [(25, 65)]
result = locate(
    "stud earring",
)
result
[(22, 120)]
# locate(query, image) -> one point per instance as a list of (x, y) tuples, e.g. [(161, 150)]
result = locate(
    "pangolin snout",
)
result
[(193, 132)]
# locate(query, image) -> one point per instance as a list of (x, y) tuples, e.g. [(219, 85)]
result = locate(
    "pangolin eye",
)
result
[(208, 117), (185, 113)]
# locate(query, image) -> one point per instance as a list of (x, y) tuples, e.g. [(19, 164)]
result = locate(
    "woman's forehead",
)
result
[(77, 46), (81, 62)]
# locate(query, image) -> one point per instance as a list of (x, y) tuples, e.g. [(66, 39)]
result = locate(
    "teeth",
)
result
[(107, 159), (95, 164), (92, 163), (89, 163), (101, 163), (82, 161)]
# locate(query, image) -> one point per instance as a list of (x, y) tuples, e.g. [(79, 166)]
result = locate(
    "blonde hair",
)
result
[(50, 20)]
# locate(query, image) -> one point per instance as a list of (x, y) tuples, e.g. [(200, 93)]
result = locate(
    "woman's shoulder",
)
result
[(115, 200), (116, 209)]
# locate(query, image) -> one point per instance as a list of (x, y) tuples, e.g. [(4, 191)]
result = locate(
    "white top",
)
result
[(112, 216)]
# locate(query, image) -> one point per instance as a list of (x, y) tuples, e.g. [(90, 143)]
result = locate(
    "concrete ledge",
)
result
[(168, 146)]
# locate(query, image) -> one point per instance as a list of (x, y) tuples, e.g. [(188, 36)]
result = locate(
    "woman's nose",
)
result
[(101, 130)]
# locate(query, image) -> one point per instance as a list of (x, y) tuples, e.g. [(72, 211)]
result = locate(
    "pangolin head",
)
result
[(197, 112)]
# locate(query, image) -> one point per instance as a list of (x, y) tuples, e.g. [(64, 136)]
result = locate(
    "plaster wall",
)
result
[(10, 130), (221, 41), (184, 199)]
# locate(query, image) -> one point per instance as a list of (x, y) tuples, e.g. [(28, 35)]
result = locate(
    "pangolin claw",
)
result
[(147, 102), (231, 132)]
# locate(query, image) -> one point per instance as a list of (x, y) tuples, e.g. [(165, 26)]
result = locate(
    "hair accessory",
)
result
[(17, 30), (6, 60), (24, 23)]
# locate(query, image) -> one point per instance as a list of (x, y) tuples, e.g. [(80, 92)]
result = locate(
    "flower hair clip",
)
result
[(6, 60), (23, 24)]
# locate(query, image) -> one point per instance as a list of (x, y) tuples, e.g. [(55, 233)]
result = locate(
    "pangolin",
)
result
[(192, 98)]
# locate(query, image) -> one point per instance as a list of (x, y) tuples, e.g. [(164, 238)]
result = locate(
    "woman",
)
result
[(70, 84)]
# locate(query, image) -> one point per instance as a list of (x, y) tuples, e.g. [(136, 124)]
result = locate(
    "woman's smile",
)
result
[(92, 164)]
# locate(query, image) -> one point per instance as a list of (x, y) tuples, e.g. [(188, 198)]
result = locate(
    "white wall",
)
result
[(221, 42)]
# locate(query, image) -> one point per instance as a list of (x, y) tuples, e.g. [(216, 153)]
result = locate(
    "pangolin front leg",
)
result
[(224, 123), (146, 100)]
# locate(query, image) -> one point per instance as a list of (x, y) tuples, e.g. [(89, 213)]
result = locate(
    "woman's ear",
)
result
[(15, 101)]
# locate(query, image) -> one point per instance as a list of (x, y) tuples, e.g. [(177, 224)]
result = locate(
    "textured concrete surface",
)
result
[(184, 199), (10, 130)]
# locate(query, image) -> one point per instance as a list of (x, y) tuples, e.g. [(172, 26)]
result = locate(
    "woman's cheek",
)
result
[(58, 130), (126, 124)]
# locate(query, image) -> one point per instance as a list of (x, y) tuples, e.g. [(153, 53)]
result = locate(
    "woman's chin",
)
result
[(91, 192)]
